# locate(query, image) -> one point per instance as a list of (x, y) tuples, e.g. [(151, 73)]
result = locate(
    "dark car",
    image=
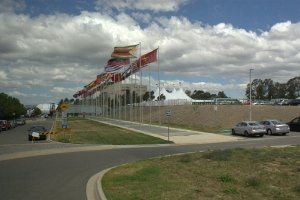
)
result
[(294, 124), (274, 126), (5, 125), (293, 102), (37, 133), (249, 128)]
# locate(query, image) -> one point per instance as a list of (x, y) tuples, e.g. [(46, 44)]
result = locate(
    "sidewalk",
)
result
[(178, 136)]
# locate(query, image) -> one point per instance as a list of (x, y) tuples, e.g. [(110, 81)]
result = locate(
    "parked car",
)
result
[(12, 124), (249, 128), (5, 125), (294, 124), (293, 102), (274, 126), (37, 133), (20, 121)]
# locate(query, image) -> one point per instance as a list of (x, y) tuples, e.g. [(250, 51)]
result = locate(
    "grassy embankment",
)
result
[(84, 131), (269, 173)]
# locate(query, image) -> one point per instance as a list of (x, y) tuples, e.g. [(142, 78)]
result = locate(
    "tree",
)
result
[(10, 107), (188, 92), (293, 88), (221, 94), (36, 111), (257, 89), (161, 97), (267, 89), (279, 90), (77, 102), (148, 96)]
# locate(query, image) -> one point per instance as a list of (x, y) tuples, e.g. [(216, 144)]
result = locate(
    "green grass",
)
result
[(84, 131), (269, 174)]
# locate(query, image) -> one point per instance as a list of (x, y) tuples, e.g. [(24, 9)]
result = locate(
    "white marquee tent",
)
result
[(178, 94)]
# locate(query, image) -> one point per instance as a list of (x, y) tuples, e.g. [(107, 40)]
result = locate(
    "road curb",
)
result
[(94, 189)]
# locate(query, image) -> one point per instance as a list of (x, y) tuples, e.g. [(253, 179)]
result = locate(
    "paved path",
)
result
[(178, 136)]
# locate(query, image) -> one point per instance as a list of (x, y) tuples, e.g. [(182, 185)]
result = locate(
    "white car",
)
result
[(249, 128), (274, 126)]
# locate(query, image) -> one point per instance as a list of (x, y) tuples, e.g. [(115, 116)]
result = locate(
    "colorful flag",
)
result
[(143, 61), (118, 61), (149, 57), (113, 68), (126, 73), (124, 52), (104, 76)]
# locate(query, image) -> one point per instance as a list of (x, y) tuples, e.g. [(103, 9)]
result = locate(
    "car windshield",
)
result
[(37, 128), (276, 122), (253, 124)]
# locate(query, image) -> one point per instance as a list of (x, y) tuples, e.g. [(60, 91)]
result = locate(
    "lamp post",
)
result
[(250, 89)]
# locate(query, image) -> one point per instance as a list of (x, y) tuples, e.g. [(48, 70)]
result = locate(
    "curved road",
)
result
[(64, 176)]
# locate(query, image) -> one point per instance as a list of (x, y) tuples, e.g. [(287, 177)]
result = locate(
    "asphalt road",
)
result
[(64, 176)]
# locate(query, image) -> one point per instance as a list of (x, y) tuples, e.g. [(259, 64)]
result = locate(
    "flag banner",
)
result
[(126, 73), (90, 85), (103, 77), (149, 57), (118, 61), (113, 68), (135, 66), (117, 77), (77, 94), (124, 52), (143, 61)]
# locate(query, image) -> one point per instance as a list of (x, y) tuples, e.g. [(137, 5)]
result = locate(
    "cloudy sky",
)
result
[(49, 49)]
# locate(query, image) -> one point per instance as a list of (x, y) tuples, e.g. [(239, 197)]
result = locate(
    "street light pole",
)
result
[(250, 89)]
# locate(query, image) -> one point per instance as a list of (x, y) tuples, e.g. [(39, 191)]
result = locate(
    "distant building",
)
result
[(47, 107)]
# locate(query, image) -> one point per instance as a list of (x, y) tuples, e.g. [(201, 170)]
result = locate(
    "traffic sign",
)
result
[(64, 106), (168, 113)]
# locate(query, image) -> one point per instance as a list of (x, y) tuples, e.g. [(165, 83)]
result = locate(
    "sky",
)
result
[(50, 49)]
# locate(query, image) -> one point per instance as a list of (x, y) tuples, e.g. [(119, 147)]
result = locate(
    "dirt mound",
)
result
[(223, 116)]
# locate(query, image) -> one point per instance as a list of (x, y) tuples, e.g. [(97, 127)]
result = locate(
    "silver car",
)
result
[(249, 128), (274, 126)]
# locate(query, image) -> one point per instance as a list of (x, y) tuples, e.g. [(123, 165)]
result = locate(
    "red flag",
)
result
[(149, 57), (143, 61)]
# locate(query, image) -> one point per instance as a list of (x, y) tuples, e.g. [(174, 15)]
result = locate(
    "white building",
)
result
[(47, 107)]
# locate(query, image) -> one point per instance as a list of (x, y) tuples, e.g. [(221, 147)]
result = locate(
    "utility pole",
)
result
[(250, 89)]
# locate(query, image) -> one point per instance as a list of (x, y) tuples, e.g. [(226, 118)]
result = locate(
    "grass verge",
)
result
[(228, 175), (84, 131)]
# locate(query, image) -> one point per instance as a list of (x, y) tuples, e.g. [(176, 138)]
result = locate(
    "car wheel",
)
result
[(29, 138), (246, 133), (284, 133), (232, 132), (269, 132), (261, 135)]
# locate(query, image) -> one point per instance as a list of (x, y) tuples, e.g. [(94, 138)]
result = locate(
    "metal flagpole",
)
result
[(149, 98), (131, 95), (158, 86), (141, 82)]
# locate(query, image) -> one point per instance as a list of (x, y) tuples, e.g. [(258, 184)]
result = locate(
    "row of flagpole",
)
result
[(105, 85)]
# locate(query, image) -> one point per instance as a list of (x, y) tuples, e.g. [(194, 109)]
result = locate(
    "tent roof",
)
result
[(175, 94)]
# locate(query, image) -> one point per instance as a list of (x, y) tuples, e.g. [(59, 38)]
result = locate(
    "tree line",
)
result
[(267, 89), (10, 107)]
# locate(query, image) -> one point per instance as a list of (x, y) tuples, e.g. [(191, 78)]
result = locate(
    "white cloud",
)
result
[(154, 5), (58, 52)]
